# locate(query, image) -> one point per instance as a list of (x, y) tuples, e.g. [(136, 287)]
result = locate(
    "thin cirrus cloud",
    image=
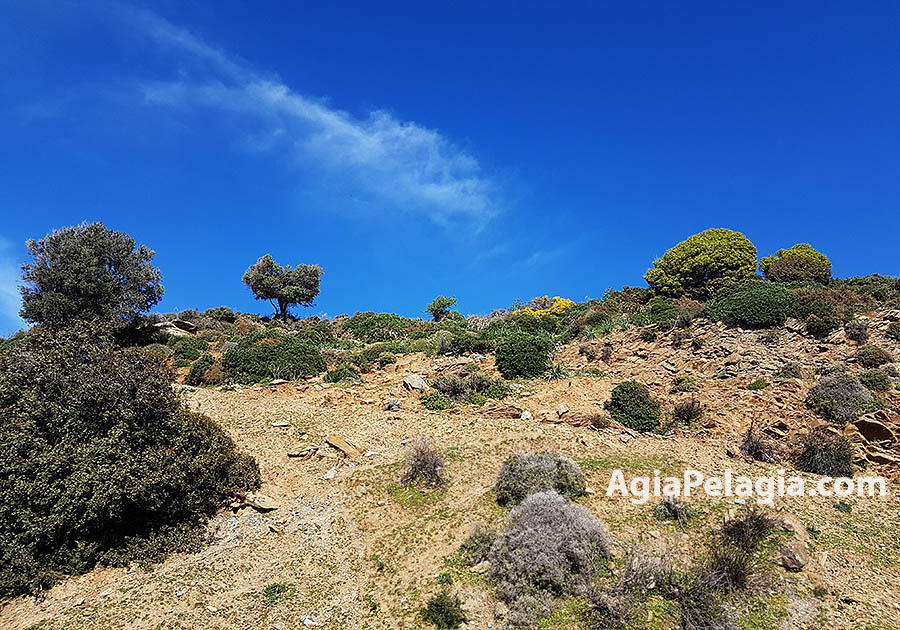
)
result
[(402, 164), (10, 298)]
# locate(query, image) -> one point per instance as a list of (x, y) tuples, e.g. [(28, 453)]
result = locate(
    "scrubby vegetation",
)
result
[(444, 611), (840, 398), (877, 380), (99, 462), (632, 406), (872, 356), (752, 304), (424, 463), (272, 354), (474, 387), (823, 453), (549, 549), (345, 373), (523, 354), (527, 473), (800, 263)]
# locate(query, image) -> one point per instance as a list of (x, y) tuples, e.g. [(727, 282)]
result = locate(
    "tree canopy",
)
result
[(88, 272), (282, 285)]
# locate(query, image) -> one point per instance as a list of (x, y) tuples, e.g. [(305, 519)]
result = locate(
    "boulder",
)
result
[(793, 556), (414, 382)]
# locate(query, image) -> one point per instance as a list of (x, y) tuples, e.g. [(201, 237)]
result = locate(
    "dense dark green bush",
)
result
[(695, 266), (648, 334), (444, 611), (373, 327), (87, 272), (526, 473), (366, 358), (876, 380), (220, 313), (465, 342), (632, 406), (189, 348), (272, 354), (752, 304), (98, 462), (343, 373), (823, 453), (796, 264), (857, 331), (522, 354), (872, 356), (440, 307), (474, 387), (893, 331), (198, 370), (840, 398)]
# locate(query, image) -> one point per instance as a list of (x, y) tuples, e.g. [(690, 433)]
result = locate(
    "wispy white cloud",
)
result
[(409, 166), (10, 298)]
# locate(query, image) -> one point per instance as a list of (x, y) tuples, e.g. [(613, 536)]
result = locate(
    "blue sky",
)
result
[(490, 151)]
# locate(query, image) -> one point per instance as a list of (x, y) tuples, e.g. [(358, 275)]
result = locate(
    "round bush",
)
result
[(893, 331), (343, 373), (272, 354), (696, 265), (798, 264), (857, 331), (522, 355), (877, 380), (98, 462), (823, 453), (526, 473), (753, 304), (198, 370), (872, 356), (840, 398), (632, 406)]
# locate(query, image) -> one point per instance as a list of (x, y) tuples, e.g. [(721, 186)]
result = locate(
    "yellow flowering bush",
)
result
[(546, 306)]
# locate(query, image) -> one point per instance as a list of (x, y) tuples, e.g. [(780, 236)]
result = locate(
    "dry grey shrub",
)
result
[(646, 568), (550, 549), (673, 509), (840, 399), (424, 463), (526, 473)]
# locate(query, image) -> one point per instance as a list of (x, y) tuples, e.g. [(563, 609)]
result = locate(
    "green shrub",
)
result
[(893, 331), (435, 401), (823, 453), (698, 342), (824, 310), (474, 387), (220, 313), (870, 356), (386, 358), (687, 412), (684, 383), (632, 406), (856, 330), (526, 473), (523, 355), (440, 307), (198, 370), (820, 326), (343, 373), (840, 398), (798, 264), (182, 363), (444, 611), (272, 354), (877, 380), (648, 334), (789, 370), (373, 327), (99, 462), (752, 304), (695, 266), (189, 348), (372, 354), (759, 383)]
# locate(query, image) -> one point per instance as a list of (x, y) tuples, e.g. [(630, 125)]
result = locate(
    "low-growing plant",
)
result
[(424, 463), (759, 383), (198, 370), (556, 372), (475, 387), (870, 356), (672, 508), (435, 401), (789, 370), (648, 334), (824, 453), (278, 592), (748, 530), (523, 355), (220, 313), (549, 549), (632, 406), (272, 354), (697, 343), (728, 567), (444, 611), (477, 546), (684, 383), (840, 398), (588, 351), (759, 447), (345, 373), (877, 380), (189, 348), (526, 473), (687, 411), (857, 330), (893, 331)]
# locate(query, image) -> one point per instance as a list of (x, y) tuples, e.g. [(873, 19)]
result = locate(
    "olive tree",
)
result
[(282, 285), (87, 272), (440, 307)]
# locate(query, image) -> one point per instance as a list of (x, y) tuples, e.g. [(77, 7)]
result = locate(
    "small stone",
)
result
[(562, 409), (393, 405), (330, 474), (415, 382), (482, 567), (526, 415), (281, 424)]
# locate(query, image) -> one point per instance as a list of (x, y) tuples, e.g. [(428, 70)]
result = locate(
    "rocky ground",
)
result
[(349, 546)]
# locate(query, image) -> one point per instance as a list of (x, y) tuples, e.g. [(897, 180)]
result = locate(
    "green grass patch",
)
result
[(278, 592), (414, 495)]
